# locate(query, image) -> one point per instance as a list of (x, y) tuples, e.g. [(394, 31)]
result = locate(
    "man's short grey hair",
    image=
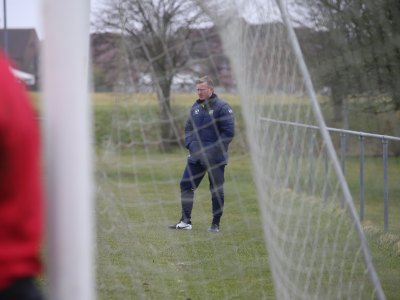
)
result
[(205, 79)]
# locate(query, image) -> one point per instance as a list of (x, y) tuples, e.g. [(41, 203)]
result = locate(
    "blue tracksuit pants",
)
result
[(191, 179)]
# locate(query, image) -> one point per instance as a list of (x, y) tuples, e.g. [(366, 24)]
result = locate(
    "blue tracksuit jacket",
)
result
[(209, 130)]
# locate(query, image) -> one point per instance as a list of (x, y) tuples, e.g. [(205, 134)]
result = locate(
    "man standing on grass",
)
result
[(208, 132)]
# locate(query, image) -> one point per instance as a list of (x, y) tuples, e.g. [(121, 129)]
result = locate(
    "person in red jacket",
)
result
[(21, 207)]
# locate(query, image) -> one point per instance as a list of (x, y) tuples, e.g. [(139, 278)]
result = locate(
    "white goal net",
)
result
[(289, 228)]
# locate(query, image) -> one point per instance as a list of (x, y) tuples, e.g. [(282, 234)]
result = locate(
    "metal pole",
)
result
[(350, 132), (67, 132), (310, 163), (385, 185), (5, 32), (361, 141), (326, 173), (287, 171), (343, 148)]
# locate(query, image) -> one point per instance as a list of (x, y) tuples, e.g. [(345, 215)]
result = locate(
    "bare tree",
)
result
[(156, 39)]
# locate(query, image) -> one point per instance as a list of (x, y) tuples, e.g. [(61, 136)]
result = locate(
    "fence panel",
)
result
[(355, 144)]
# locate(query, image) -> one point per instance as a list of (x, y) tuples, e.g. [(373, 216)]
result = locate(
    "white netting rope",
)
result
[(313, 248)]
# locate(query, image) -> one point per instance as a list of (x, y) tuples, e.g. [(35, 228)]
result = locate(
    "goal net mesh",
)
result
[(287, 231)]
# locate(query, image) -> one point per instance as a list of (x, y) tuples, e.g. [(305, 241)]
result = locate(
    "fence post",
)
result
[(343, 148), (385, 184), (361, 147), (310, 162), (326, 173), (287, 172)]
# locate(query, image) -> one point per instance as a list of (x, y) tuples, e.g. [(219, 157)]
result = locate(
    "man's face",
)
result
[(203, 91)]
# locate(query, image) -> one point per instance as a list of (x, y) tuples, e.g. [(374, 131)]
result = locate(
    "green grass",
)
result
[(138, 196), (140, 258)]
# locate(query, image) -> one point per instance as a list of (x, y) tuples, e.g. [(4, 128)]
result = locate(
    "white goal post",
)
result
[(70, 243)]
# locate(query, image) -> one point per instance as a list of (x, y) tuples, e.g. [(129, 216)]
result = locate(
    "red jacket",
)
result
[(20, 182)]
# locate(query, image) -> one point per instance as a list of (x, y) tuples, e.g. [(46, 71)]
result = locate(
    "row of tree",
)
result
[(355, 49)]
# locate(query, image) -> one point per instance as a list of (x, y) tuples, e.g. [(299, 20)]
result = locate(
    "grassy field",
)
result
[(126, 120), (138, 196), (140, 258)]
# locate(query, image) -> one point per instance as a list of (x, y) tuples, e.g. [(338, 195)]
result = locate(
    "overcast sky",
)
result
[(26, 14)]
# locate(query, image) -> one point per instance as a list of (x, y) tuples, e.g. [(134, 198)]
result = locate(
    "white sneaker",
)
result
[(181, 225)]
